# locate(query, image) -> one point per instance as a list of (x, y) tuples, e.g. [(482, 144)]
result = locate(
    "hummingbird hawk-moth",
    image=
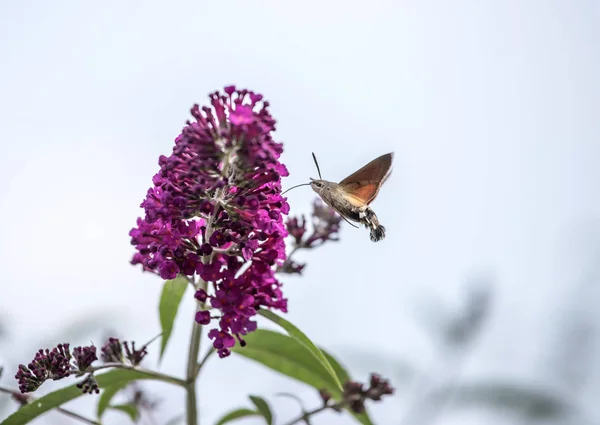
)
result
[(352, 196)]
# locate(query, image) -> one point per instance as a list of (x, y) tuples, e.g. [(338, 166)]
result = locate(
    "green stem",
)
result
[(306, 415), (204, 359), (62, 410), (190, 386), (193, 368)]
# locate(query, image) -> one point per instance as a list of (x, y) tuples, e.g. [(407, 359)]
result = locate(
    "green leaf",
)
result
[(288, 356), (107, 396), (263, 407), (170, 299), (129, 409), (343, 376), (29, 412), (340, 371), (297, 334), (236, 414)]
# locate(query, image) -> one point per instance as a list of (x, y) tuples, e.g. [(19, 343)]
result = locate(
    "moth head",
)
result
[(318, 185)]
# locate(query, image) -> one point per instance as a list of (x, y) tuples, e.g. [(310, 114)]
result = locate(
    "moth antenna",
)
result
[(293, 187), (317, 164)]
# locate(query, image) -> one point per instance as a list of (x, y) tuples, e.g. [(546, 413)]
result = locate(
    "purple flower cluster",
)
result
[(112, 352), (84, 357), (215, 207), (325, 227), (54, 364), (355, 394)]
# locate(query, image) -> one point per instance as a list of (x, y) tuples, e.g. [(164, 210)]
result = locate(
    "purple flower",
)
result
[(84, 357), (169, 269), (134, 356), (325, 227), (201, 295), (355, 394), (215, 205), (89, 385), (112, 352), (222, 342), (203, 317), (46, 364)]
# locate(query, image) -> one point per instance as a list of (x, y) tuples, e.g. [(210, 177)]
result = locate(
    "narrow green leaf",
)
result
[(340, 371), (288, 356), (343, 376), (107, 396), (170, 299), (363, 417), (236, 414), (263, 407), (296, 333), (29, 412), (129, 409)]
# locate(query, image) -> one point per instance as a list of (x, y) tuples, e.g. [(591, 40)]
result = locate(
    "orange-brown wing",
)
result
[(361, 193), (363, 186), (375, 170)]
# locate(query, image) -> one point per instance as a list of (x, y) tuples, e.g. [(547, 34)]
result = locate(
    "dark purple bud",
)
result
[(134, 356), (89, 385), (206, 249), (206, 207), (112, 351), (325, 395), (379, 387), (45, 365), (201, 295), (189, 265), (84, 357), (203, 317), (217, 239)]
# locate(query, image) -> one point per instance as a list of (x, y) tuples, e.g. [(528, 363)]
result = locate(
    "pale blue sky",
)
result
[(490, 107)]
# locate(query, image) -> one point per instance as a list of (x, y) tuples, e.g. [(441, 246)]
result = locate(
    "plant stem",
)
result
[(193, 368), (190, 386), (62, 410), (204, 359), (305, 415)]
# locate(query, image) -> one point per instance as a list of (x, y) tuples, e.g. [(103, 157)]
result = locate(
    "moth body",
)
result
[(349, 207)]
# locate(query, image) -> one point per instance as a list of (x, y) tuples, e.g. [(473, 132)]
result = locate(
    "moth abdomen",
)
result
[(372, 222), (377, 233)]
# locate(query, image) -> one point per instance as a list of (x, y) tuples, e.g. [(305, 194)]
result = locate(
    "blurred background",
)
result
[(481, 305)]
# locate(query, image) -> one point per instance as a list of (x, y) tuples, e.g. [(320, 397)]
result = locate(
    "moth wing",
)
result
[(361, 193), (362, 186), (377, 170)]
